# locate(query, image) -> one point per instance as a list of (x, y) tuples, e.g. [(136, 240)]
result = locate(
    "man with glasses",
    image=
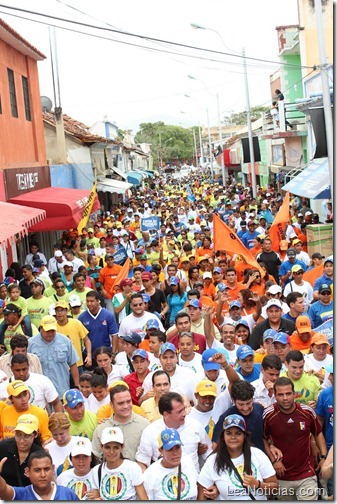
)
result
[(286, 266), (321, 310), (299, 285)]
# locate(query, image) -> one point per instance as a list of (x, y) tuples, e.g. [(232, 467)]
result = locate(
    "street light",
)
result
[(249, 126), (219, 125)]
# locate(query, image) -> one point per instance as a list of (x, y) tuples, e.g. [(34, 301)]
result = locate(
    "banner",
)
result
[(279, 225), (190, 195), (120, 256), (327, 329), (226, 239), (87, 210), (149, 223)]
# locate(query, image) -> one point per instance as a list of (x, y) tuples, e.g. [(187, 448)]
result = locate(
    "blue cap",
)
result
[(234, 304), (195, 303), (167, 346), (140, 353), (281, 337), (329, 368), (152, 324), (133, 338), (72, 398), (217, 270), (328, 259), (269, 333), (222, 287), (170, 438), (139, 267), (173, 281), (242, 322), (244, 351), (146, 297), (139, 251), (234, 421), (206, 363)]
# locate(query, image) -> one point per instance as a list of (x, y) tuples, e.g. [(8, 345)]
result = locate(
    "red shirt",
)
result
[(291, 434), (133, 381), (199, 342)]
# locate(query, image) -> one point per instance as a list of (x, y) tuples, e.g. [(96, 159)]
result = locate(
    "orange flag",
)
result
[(279, 225), (312, 275), (124, 272), (225, 239)]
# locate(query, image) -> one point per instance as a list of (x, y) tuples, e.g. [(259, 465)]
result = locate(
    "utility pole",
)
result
[(249, 126), (221, 143)]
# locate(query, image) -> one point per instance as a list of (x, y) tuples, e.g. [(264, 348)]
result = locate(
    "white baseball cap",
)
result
[(274, 289), (112, 435), (81, 447), (74, 300), (58, 253), (273, 302)]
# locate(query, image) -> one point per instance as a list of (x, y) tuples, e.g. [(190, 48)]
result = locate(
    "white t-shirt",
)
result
[(119, 483), (94, 405), (228, 485), (191, 434), (118, 372), (195, 365), (311, 363), (261, 394), (137, 324), (184, 381), (154, 362), (231, 353), (79, 484), (161, 482), (122, 360), (305, 289), (60, 454), (42, 390), (222, 403), (205, 418), (248, 318)]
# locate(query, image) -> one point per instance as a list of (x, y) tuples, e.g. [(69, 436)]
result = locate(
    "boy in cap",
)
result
[(245, 363), (134, 380), (205, 394), (321, 310), (129, 344), (82, 422), (75, 305), (37, 304), (301, 338)]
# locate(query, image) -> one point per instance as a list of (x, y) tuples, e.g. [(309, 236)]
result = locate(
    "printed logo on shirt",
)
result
[(290, 420), (80, 487), (302, 425), (240, 468), (169, 486), (113, 487)]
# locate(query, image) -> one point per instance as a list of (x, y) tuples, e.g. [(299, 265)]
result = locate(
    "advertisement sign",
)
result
[(149, 223)]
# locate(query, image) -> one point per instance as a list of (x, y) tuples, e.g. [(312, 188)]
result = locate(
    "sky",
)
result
[(107, 75)]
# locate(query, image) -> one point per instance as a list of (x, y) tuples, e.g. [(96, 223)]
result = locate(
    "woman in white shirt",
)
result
[(60, 447), (174, 476), (117, 478), (79, 478), (105, 360), (237, 469)]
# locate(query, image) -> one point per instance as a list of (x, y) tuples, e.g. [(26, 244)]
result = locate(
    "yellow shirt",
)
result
[(9, 417), (38, 308), (151, 409), (76, 332)]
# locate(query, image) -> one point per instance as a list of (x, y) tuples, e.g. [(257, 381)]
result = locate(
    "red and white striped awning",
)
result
[(17, 219)]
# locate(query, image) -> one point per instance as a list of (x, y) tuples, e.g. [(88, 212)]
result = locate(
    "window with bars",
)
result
[(25, 87), (12, 92)]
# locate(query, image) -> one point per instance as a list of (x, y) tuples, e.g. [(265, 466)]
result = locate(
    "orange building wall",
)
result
[(21, 142)]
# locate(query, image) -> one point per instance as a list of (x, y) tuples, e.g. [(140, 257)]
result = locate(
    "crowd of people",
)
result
[(139, 362)]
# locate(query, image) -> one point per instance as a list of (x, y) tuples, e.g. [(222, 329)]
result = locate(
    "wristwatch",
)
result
[(323, 456)]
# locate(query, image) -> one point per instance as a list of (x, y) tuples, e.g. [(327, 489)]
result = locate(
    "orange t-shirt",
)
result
[(234, 293), (258, 289), (209, 291), (107, 277)]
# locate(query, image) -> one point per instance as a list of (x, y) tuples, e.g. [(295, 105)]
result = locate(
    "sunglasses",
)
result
[(298, 273)]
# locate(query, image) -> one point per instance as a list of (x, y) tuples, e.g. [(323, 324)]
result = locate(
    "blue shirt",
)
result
[(322, 280), (324, 409), (55, 358), (248, 239), (319, 313), (254, 375), (27, 494), (253, 422), (100, 327), (287, 265)]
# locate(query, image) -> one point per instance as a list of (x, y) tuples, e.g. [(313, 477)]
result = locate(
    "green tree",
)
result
[(241, 117), (168, 143)]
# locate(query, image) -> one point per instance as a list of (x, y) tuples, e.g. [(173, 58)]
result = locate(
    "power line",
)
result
[(151, 39)]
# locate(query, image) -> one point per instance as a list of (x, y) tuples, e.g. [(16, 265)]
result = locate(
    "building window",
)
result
[(25, 87), (12, 93)]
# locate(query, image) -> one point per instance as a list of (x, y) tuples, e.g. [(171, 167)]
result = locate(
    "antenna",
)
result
[(46, 104)]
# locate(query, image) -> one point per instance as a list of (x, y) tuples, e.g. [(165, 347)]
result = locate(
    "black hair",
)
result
[(94, 460), (230, 270), (271, 361), (86, 376), (242, 391), (182, 314), (105, 350), (293, 297), (27, 267), (19, 359), (194, 292), (93, 294), (294, 355), (78, 275), (223, 461), (136, 295), (55, 275), (117, 389), (99, 378), (160, 335), (283, 382), (165, 402), (160, 372), (38, 455), (18, 341), (191, 269)]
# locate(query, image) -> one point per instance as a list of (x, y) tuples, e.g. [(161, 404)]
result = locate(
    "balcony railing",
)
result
[(287, 118)]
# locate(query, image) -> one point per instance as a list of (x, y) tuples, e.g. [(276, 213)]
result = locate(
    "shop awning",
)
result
[(17, 220), (119, 172), (112, 186), (145, 173), (64, 207), (134, 178), (313, 182)]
